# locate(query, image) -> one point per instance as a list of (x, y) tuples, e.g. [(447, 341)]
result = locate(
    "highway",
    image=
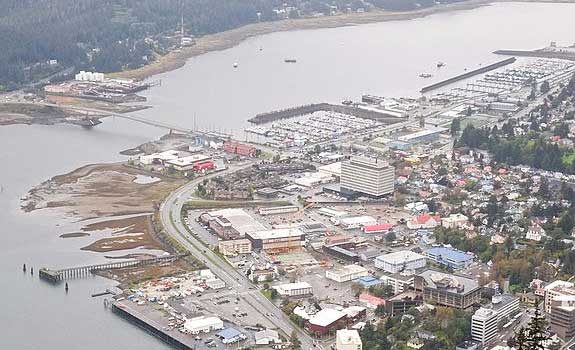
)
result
[(170, 217)]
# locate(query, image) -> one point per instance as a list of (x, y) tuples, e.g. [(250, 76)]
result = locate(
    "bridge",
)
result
[(56, 276)]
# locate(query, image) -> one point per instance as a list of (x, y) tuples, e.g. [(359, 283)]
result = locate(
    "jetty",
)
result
[(469, 74), (56, 276), (564, 55)]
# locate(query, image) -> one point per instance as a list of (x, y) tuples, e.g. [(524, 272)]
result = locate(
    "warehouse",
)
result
[(279, 240), (427, 135), (186, 163), (203, 324), (346, 273), (231, 223), (354, 222), (159, 158), (449, 257)]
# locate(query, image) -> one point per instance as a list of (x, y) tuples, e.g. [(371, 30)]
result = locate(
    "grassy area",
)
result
[(568, 158), (204, 204)]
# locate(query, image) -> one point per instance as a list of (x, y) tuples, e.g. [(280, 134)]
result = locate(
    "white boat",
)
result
[(235, 64)]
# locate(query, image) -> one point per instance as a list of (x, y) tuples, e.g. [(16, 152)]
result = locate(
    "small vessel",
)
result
[(235, 64), (425, 75), (290, 60), (440, 64)]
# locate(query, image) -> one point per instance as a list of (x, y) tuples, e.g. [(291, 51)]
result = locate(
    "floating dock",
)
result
[(470, 74), (56, 276), (380, 116)]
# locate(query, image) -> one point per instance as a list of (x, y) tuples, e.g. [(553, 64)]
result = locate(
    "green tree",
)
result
[(295, 342), (455, 126), (545, 87)]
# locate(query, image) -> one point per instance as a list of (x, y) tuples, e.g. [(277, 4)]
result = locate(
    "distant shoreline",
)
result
[(233, 37)]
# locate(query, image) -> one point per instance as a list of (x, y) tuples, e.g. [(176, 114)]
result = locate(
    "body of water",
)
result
[(332, 65)]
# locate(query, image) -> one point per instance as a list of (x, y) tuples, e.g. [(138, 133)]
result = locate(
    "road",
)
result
[(170, 217)]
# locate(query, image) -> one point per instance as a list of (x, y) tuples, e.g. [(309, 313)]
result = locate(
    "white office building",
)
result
[(348, 339), (485, 321), (400, 261), (553, 290), (294, 289), (371, 177)]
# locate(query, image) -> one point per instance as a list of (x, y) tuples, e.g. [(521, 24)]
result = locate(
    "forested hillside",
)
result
[(110, 35)]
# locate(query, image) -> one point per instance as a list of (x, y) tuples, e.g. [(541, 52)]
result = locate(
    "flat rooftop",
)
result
[(400, 257), (240, 220), (449, 282), (276, 233)]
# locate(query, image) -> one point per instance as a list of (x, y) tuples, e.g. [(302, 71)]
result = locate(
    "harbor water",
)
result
[(332, 65)]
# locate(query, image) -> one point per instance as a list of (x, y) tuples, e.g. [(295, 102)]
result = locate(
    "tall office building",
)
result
[(367, 176), (485, 321)]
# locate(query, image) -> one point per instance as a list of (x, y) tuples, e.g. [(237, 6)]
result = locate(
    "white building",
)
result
[(267, 337), (535, 232), (367, 176), (400, 261), (215, 283), (235, 247), (485, 321), (354, 222), (160, 157), (187, 163), (348, 339), (203, 324), (332, 213), (454, 221), (554, 290), (400, 282), (294, 289), (346, 273)]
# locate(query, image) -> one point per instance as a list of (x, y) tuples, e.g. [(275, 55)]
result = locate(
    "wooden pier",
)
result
[(56, 276)]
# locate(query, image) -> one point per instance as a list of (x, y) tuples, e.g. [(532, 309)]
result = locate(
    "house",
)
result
[(535, 232), (267, 337), (371, 301), (454, 221), (425, 221)]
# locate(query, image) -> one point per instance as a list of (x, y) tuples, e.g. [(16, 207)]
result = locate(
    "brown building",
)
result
[(234, 247), (400, 303), (563, 321), (447, 289)]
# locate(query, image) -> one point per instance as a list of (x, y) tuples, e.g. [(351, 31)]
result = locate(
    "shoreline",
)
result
[(231, 38)]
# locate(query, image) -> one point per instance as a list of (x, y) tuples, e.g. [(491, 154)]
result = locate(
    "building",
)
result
[(235, 247), (468, 345), (554, 290), (239, 149), (230, 336), (535, 232), (377, 228), (370, 301), (447, 289), (365, 176), (347, 339), (203, 324), (449, 257), (267, 337), (231, 223), (346, 273), (401, 303), (563, 321), (286, 209), (369, 281), (424, 221), (485, 321), (354, 222), (326, 321), (341, 253), (455, 221), (427, 135), (159, 158), (332, 213), (333, 169), (400, 261), (400, 281), (215, 283), (280, 240), (187, 163), (297, 289)]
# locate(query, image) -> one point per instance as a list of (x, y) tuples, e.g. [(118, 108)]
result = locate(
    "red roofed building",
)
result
[(326, 321), (371, 301), (426, 221), (379, 228)]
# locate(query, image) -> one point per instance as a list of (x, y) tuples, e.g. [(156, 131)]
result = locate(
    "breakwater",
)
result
[(469, 74), (564, 55), (380, 116)]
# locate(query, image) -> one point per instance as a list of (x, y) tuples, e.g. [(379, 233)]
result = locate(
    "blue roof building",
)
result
[(450, 257), (368, 281), (230, 335)]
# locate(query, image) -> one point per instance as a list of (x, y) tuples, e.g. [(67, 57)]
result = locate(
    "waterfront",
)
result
[(37, 314)]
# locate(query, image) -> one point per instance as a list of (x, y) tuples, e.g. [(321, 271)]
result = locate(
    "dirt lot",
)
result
[(99, 190), (27, 113), (130, 276)]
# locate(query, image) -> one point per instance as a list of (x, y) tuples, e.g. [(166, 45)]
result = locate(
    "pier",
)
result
[(470, 74), (380, 116), (564, 55), (56, 276)]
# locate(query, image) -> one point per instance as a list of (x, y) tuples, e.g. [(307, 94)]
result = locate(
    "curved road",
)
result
[(170, 217)]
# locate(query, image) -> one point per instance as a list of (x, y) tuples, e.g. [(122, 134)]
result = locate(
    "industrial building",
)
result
[(231, 223), (285, 209), (332, 213), (159, 158), (297, 289), (449, 257), (235, 247), (280, 240), (187, 163), (239, 149), (427, 135), (485, 321), (447, 289), (203, 324), (366, 176), (341, 253), (347, 339), (355, 222), (230, 336), (346, 273), (400, 261)]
